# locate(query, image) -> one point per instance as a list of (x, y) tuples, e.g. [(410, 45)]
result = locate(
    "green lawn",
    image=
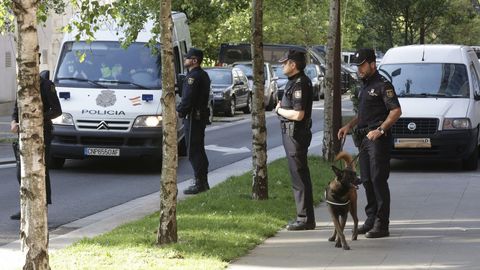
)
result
[(213, 227)]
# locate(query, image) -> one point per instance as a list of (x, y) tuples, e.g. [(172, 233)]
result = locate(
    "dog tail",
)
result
[(346, 157)]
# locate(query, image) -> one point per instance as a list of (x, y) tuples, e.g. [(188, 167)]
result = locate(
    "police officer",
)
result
[(51, 110), (294, 112), (378, 110), (194, 109)]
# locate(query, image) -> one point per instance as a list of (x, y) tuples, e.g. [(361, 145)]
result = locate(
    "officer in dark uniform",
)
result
[(295, 111), (378, 110), (194, 110), (51, 110)]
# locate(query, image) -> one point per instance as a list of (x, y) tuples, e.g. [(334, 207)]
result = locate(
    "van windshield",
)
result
[(108, 65), (426, 80)]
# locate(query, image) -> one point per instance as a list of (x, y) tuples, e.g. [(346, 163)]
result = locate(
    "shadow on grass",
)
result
[(221, 224)]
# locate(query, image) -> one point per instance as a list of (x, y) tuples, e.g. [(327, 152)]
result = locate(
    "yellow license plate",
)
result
[(412, 143)]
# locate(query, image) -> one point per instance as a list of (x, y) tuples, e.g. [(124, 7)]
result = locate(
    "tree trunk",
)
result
[(33, 226), (332, 103), (259, 143), (167, 230)]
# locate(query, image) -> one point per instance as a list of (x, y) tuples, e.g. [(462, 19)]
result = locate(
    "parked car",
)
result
[(230, 90), (282, 80), (438, 87), (316, 76), (271, 87)]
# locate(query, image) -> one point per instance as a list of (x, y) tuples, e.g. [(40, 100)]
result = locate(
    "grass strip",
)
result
[(214, 227)]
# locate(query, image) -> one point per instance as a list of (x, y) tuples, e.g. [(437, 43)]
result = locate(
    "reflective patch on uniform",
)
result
[(390, 93), (297, 94), (191, 80)]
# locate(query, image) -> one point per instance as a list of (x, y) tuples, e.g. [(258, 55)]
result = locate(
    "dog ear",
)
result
[(337, 171)]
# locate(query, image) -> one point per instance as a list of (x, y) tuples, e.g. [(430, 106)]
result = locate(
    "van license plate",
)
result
[(109, 152), (413, 143)]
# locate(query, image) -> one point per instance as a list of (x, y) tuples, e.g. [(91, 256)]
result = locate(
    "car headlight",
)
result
[(148, 121), (456, 123), (65, 119)]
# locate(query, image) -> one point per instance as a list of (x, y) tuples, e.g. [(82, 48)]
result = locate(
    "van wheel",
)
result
[(56, 163), (182, 147), (471, 163), (248, 108)]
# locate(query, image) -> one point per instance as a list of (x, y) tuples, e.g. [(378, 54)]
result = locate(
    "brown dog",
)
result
[(341, 198)]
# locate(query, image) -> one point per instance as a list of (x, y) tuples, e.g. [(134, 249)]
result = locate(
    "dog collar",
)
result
[(335, 203)]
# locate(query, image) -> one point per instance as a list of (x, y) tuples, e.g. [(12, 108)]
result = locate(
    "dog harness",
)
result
[(335, 203)]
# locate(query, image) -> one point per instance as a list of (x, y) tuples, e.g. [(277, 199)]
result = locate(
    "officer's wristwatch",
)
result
[(381, 130)]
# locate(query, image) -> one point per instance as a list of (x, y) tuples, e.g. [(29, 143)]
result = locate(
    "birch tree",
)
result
[(33, 225), (259, 142), (167, 230)]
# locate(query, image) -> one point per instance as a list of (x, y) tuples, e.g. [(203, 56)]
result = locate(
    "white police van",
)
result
[(111, 100), (439, 90)]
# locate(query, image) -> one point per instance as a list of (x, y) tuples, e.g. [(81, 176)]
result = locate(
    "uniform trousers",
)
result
[(48, 141), (296, 145), (195, 138), (374, 172)]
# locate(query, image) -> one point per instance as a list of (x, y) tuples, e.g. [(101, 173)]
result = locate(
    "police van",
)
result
[(439, 90), (110, 95)]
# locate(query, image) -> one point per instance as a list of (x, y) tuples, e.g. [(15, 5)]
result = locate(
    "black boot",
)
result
[(197, 187)]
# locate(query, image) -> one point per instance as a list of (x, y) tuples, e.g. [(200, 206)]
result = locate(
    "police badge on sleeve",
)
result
[(190, 81), (297, 94)]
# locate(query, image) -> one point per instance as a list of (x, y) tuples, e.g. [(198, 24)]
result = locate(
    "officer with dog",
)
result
[(194, 109), (295, 112), (378, 110)]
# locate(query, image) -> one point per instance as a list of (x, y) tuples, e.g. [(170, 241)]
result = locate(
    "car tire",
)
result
[(248, 108), (316, 94), (56, 163), (232, 107), (210, 113), (271, 103), (182, 147), (471, 163)]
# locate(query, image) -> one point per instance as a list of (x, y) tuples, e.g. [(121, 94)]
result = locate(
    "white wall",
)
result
[(49, 39)]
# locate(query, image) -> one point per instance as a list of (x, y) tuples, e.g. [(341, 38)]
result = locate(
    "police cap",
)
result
[(193, 52), (364, 54), (294, 55)]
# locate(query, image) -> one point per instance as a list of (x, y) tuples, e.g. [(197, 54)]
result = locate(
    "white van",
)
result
[(438, 89), (111, 101)]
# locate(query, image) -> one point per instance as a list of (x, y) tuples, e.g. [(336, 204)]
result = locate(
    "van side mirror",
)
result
[(179, 84), (45, 74)]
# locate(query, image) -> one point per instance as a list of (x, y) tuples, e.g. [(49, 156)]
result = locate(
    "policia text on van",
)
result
[(112, 99)]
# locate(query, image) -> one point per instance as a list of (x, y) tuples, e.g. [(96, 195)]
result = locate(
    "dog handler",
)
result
[(294, 112), (378, 110)]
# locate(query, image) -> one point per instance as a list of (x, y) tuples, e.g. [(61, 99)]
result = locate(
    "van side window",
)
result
[(475, 80)]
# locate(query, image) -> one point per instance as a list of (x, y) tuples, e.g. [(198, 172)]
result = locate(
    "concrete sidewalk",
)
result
[(435, 224)]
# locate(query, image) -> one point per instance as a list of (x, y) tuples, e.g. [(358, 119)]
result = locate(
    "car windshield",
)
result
[(279, 72), (107, 65), (248, 70), (432, 79), (220, 76)]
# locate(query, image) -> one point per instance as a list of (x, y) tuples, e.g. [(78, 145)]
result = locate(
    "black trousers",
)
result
[(296, 145), (48, 189), (374, 171), (195, 138)]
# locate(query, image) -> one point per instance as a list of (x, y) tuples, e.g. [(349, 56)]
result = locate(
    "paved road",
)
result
[(83, 188)]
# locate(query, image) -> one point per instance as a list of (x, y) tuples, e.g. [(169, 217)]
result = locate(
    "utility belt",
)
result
[(291, 126), (359, 134)]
